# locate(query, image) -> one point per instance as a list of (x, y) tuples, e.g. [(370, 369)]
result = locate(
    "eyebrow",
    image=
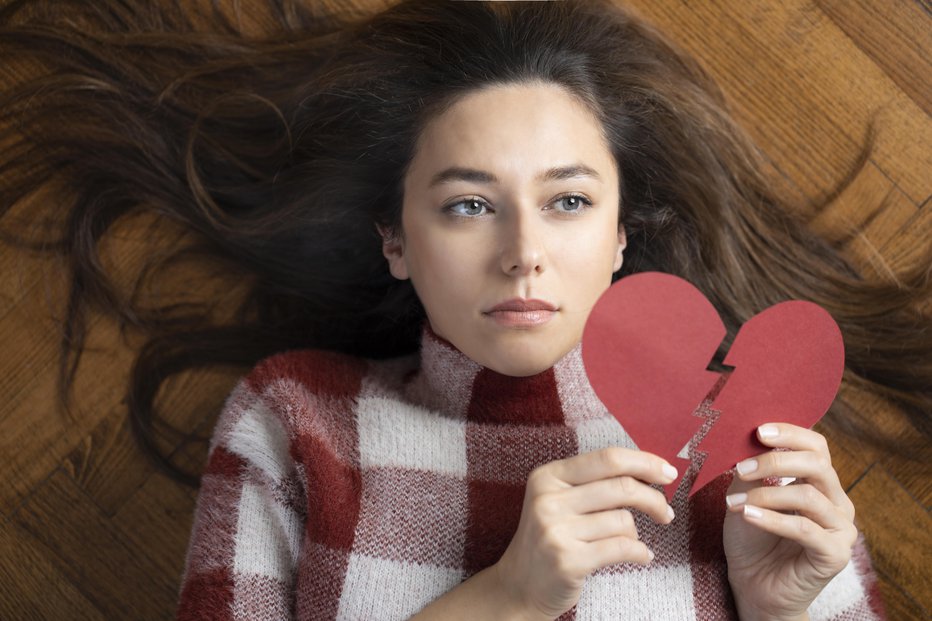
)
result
[(457, 173)]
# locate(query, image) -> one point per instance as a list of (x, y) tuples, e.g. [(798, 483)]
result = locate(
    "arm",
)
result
[(244, 542)]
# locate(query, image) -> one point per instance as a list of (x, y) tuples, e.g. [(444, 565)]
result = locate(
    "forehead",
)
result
[(517, 130)]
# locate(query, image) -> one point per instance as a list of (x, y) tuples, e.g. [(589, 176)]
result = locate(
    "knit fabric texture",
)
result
[(346, 488)]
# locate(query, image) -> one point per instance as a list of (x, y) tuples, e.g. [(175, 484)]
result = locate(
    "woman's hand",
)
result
[(785, 543), (572, 523)]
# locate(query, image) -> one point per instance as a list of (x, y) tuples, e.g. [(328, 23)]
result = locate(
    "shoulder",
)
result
[(303, 391), (324, 376), (321, 372), (286, 381), (283, 395)]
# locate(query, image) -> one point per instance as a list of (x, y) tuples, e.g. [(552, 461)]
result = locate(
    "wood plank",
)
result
[(871, 247), (913, 242), (158, 518), (107, 463), (898, 604), (32, 313), (30, 351), (868, 218), (851, 89), (36, 435), (32, 586), (21, 274), (783, 121), (117, 577), (110, 466), (803, 90), (914, 475), (855, 206), (852, 456), (888, 516), (895, 35)]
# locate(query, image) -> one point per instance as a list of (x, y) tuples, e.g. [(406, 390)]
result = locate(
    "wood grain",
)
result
[(886, 529), (89, 552), (872, 25), (31, 583), (88, 528)]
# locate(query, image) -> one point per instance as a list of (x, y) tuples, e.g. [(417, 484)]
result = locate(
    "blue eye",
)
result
[(473, 207), (579, 204)]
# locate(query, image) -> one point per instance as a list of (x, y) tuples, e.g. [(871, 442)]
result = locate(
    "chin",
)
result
[(520, 371), (522, 366)]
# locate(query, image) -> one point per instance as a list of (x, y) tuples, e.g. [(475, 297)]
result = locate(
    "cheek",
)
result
[(588, 268), (589, 252), (441, 270)]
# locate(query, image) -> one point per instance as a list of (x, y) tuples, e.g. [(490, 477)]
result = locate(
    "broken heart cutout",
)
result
[(646, 347)]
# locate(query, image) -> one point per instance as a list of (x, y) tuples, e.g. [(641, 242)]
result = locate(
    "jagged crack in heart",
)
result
[(710, 416)]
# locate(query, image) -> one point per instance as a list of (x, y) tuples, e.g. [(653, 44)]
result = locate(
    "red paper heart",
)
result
[(646, 347)]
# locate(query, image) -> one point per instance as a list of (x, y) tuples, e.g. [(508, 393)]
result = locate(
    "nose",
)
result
[(522, 245)]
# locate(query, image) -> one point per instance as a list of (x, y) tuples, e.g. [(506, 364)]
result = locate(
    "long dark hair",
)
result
[(274, 148)]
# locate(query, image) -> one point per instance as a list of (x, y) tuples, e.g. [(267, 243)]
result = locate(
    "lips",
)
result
[(519, 314), (520, 305)]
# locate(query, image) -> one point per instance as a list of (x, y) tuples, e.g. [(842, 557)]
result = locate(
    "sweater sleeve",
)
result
[(249, 516), (853, 594)]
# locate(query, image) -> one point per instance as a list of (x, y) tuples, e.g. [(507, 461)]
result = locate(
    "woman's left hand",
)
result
[(785, 543)]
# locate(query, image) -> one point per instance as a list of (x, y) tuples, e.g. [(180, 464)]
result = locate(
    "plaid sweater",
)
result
[(345, 488)]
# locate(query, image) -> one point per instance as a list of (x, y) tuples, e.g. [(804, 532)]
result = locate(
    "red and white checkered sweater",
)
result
[(343, 488)]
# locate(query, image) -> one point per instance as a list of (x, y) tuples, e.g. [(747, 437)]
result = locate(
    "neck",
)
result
[(457, 386)]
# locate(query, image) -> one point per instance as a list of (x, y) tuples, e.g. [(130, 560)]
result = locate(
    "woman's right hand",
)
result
[(575, 519)]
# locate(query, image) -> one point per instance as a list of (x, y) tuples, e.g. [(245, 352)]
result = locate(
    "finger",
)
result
[(605, 524), (805, 499), (610, 462), (793, 437), (814, 467), (799, 464), (623, 491), (616, 550), (801, 529)]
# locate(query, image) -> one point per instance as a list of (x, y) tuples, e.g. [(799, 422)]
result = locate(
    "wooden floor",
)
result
[(89, 530)]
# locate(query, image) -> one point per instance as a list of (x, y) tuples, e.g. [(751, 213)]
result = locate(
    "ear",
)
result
[(622, 244), (393, 249)]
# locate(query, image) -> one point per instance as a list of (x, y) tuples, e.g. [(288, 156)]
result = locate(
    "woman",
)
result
[(434, 166)]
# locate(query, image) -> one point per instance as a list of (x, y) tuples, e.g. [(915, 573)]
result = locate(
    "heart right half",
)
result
[(646, 346)]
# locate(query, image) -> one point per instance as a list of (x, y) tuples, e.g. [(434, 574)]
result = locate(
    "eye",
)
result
[(575, 203), (471, 207)]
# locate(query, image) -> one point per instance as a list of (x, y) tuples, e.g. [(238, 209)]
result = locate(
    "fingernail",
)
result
[(736, 499), (753, 512), (650, 555), (669, 471), (670, 513), (747, 466), (768, 431)]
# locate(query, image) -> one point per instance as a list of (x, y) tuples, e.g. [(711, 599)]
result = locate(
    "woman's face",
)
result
[(496, 208)]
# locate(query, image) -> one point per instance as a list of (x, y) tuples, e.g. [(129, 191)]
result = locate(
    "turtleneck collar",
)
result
[(456, 386)]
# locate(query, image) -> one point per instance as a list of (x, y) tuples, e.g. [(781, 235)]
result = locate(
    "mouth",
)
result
[(519, 313), (522, 305)]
